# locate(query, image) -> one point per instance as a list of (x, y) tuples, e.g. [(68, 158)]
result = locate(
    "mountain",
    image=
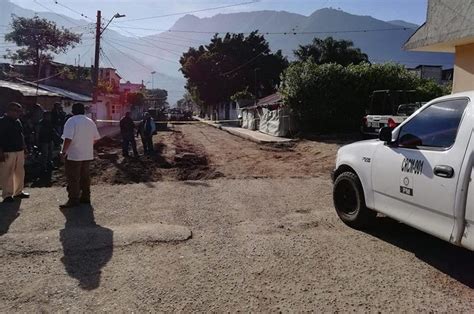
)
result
[(136, 57), (404, 24)]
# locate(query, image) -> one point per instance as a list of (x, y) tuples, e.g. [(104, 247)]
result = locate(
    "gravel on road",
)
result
[(258, 245)]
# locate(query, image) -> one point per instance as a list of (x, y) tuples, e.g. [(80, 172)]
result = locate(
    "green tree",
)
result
[(330, 50), (230, 64), (39, 39), (157, 98)]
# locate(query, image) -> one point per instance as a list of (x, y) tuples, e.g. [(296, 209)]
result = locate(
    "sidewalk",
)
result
[(254, 136)]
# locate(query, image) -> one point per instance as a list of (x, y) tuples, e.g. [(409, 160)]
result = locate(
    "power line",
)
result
[(128, 56), (177, 53), (72, 10), (70, 20), (153, 46), (190, 12), (274, 33), (144, 53), (242, 65)]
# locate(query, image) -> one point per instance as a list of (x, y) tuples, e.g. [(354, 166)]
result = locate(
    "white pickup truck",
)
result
[(420, 173)]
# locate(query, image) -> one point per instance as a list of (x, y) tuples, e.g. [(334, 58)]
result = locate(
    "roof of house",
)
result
[(27, 91), (270, 100), (66, 93), (447, 25)]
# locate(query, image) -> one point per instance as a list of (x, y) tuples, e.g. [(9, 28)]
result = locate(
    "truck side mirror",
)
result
[(385, 134)]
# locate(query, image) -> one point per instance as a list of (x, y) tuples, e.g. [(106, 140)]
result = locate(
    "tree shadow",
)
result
[(9, 212), (87, 246), (453, 261)]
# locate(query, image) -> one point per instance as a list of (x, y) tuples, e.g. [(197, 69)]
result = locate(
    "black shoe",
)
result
[(23, 195), (69, 204), (8, 199)]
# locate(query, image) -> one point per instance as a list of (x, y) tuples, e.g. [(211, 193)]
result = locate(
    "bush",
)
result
[(330, 97)]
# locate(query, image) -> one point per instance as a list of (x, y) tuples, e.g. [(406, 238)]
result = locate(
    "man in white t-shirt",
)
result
[(80, 133)]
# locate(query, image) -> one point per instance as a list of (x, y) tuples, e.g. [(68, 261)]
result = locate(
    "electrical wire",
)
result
[(242, 65), (70, 20), (74, 11), (152, 46), (273, 33), (128, 56), (191, 12), (144, 53)]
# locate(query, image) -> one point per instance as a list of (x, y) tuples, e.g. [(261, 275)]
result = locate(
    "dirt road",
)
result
[(265, 244), (201, 152)]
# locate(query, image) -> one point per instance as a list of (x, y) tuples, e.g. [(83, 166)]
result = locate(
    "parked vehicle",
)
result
[(388, 109), (160, 117), (175, 115), (420, 173)]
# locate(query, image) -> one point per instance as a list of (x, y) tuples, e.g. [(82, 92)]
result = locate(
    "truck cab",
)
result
[(388, 108), (418, 173)]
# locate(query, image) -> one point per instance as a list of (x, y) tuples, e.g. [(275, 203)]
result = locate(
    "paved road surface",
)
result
[(257, 244)]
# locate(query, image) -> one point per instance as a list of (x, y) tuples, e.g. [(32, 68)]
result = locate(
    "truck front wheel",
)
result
[(349, 202)]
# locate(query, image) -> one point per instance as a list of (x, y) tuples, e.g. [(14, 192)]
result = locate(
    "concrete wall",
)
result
[(464, 68)]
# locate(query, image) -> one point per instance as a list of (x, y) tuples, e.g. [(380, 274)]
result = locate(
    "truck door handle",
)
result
[(444, 171)]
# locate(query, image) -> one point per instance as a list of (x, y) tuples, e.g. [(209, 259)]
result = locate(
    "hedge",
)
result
[(333, 98)]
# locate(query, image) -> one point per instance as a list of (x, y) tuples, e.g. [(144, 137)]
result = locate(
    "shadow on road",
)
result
[(8, 213), (454, 261), (87, 246)]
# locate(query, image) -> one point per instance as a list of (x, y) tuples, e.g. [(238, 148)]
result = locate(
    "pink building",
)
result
[(110, 76), (128, 87)]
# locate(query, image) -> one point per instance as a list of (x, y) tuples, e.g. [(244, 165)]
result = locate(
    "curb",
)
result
[(242, 135)]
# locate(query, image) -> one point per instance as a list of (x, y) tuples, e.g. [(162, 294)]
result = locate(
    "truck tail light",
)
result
[(391, 123), (364, 121)]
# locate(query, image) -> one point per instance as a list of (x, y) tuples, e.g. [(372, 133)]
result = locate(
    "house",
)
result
[(448, 28), (69, 97), (128, 87), (226, 111), (111, 77), (270, 116), (429, 72), (26, 95)]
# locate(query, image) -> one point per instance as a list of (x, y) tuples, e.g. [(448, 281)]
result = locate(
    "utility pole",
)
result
[(95, 76)]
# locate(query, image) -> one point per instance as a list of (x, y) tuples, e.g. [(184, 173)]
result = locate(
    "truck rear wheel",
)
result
[(349, 202)]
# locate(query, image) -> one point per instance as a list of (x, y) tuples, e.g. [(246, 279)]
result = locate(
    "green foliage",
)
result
[(329, 50), (331, 97), (230, 64), (39, 39), (429, 89), (157, 98), (244, 94), (137, 99)]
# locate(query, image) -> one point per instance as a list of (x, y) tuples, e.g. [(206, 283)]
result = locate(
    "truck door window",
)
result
[(436, 126)]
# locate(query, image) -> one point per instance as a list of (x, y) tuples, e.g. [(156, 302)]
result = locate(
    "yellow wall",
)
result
[(464, 68)]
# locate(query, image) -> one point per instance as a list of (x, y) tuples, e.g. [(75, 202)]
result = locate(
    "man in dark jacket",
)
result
[(45, 137), (127, 129), (12, 154), (147, 129)]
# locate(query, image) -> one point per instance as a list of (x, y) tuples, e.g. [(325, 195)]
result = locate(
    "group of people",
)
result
[(146, 129), (79, 134)]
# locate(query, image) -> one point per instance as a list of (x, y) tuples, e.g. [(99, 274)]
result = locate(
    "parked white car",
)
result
[(419, 173)]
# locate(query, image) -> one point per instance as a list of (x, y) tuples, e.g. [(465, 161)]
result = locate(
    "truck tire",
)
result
[(349, 201)]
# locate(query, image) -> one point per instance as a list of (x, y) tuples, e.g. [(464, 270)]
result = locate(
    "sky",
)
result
[(408, 10)]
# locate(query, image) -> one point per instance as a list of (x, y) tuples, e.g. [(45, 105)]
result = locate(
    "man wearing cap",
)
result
[(79, 135)]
